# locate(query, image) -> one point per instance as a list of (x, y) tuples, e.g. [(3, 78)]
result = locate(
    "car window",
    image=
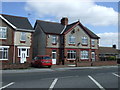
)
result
[(35, 58), (46, 58)]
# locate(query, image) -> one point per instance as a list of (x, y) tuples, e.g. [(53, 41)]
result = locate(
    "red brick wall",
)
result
[(15, 66)]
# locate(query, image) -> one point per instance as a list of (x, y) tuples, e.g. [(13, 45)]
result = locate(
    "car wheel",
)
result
[(49, 66)]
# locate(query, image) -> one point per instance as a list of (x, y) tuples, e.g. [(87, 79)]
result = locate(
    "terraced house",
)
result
[(15, 39), (65, 42)]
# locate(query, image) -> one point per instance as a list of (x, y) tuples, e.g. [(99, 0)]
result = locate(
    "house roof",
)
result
[(50, 27), (57, 28), (18, 22), (91, 34), (107, 50)]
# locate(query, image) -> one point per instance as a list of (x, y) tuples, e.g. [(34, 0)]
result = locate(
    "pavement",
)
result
[(53, 68)]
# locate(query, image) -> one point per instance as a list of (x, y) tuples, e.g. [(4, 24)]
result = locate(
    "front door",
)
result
[(54, 57), (23, 57), (93, 56)]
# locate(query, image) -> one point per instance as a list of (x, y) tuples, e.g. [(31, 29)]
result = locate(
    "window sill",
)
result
[(70, 59), (71, 44), (85, 59), (22, 41), (3, 59), (54, 43), (93, 45), (3, 38), (84, 44)]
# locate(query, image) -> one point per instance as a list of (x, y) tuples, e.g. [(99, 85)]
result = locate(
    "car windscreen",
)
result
[(46, 58)]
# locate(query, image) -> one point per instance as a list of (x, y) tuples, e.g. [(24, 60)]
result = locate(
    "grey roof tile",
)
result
[(19, 22)]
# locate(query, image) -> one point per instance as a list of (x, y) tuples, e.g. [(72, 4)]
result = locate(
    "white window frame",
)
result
[(71, 39), (93, 42), (27, 50), (23, 34), (84, 54), (84, 40), (72, 57), (3, 33), (54, 39), (2, 50)]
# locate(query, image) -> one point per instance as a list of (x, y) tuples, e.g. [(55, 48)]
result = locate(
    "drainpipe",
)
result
[(14, 47)]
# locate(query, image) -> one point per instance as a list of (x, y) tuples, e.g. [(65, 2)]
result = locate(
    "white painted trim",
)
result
[(25, 30), (23, 47), (7, 21), (4, 46), (63, 29), (3, 59)]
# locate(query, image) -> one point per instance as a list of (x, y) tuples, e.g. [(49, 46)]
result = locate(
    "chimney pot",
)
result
[(114, 46), (64, 21)]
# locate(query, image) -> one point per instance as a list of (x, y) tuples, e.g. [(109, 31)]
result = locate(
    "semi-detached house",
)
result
[(65, 42), (15, 39)]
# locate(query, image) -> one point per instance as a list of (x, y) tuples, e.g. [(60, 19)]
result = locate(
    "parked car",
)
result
[(42, 61)]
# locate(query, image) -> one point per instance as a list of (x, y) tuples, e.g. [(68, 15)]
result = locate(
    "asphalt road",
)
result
[(80, 79)]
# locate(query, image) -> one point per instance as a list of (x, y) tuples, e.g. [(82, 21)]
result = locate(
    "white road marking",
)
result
[(53, 84), (115, 74), (96, 82), (7, 85)]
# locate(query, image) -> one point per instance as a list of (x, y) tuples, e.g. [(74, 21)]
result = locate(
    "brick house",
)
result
[(108, 53), (15, 39), (65, 42)]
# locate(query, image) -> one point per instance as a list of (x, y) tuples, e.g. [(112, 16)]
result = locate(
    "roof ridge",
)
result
[(48, 21), (13, 16)]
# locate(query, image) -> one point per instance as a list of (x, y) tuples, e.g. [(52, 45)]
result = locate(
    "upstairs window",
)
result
[(93, 42), (54, 39), (23, 36), (84, 40), (3, 32), (71, 39)]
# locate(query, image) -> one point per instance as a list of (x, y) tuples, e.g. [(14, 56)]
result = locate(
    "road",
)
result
[(80, 79)]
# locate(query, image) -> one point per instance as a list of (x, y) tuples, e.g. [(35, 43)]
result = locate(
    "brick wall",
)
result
[(15, 66), (97, 63)]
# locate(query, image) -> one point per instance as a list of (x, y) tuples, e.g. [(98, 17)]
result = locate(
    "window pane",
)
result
[(71, 39), (3, 32), (27, 52), (0, 54), (23, 36), (54, 39)]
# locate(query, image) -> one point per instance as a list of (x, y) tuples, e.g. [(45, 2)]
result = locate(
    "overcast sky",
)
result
[(99, 17)]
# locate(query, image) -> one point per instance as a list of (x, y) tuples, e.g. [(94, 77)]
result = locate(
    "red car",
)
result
[(41, 61)]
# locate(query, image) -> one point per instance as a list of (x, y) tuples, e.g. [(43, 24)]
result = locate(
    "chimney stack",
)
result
[(64, 21), (114, 46)]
